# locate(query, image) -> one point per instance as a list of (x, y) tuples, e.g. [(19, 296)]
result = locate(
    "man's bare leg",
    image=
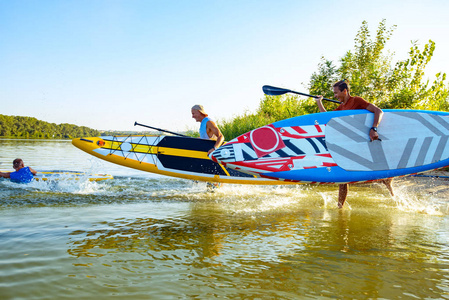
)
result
[(342, 193), (387, 183)]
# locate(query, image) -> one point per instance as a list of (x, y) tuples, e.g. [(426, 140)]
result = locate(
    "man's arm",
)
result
[(34, 172), (378, 114), (319, 103), (4, 175), (212, 130)]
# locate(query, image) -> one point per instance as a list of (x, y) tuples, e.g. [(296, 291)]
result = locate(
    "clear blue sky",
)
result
[(105, 64)]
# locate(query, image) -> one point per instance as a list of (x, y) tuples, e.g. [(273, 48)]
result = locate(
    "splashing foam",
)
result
[(330, 200), (410, 202), (255, 199), (422, 196), (67, 185)]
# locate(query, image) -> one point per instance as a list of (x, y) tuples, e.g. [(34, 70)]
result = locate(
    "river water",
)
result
[(144, 236)]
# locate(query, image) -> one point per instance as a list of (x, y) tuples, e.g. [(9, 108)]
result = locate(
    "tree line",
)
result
[(370, 71), (32, 128)]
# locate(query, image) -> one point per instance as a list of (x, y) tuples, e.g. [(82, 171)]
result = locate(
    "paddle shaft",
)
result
[(159, 129), (275, 91), (303, 94)]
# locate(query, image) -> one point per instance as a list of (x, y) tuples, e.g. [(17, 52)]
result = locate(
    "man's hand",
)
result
[(373, 135), (319, 103)]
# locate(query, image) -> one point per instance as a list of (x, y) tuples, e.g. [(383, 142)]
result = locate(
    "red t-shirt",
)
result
[(354, 103)]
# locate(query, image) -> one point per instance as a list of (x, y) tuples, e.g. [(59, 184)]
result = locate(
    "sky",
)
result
[(106, 64)]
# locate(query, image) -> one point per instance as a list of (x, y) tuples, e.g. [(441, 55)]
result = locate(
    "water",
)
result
[(143, 236)]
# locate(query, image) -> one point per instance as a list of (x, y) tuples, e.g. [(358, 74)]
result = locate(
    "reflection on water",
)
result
[(312, 252), (145, 237)]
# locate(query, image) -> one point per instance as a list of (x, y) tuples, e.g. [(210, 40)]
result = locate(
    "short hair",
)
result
[(342, 85), (17, 162), (199, 108)]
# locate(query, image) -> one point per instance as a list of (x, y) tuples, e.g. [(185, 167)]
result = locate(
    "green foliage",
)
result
[(192, 133), (32, 128), (321, 82), (271, 109), (241, 124), (371, 75), (407, 86), (367, 68)]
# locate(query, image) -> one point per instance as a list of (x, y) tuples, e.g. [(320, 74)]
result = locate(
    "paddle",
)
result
[(275, 91), (163, 130)]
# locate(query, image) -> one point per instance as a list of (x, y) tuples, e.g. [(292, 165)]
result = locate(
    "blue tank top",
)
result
[(203, 129), (24, 175)]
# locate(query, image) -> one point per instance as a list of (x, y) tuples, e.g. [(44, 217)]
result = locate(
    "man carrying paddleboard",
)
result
[(341, 92), (22, 174), (208, 128), (209, 131)]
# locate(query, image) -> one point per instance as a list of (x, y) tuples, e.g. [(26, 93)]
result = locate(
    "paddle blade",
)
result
[(274, 91)]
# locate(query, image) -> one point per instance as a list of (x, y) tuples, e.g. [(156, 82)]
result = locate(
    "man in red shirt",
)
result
[(341, 92)]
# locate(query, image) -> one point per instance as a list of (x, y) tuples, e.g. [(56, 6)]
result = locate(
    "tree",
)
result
[(408, 87), (28, 127), (371, 75)]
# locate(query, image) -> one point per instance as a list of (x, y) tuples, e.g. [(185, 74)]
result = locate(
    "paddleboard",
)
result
[(334, 147), (176, 156), (68, 175)]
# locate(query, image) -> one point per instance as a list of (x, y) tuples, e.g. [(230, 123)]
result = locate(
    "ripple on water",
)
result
[(172, 239), (415, 195), (161, 238)]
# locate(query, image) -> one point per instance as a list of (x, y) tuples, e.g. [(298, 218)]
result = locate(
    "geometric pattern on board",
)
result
[(293, 148), (408, 139)]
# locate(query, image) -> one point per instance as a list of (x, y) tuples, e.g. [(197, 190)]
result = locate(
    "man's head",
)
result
[(341, 89), (198, 112), (342, 85), (17, 164)]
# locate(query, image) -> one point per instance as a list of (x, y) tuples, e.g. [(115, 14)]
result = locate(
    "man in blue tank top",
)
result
[(209, 131), (22, 174), (208, 128)]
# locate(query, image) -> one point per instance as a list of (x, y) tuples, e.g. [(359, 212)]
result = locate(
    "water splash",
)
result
[(412, 195), (250, 200), (64, 184), (422, 195)]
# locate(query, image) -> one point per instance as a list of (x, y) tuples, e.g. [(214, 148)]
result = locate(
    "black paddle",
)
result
[(275, 91), (163, 130)]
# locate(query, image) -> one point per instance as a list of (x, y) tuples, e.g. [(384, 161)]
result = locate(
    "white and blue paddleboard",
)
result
[(334, 147)]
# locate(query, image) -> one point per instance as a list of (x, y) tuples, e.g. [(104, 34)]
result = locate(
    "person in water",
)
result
[(341, 92), (22, 174), (208, 128), (210, 131)]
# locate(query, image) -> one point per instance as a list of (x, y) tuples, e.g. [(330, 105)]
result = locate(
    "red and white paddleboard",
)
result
[(334, 147)]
